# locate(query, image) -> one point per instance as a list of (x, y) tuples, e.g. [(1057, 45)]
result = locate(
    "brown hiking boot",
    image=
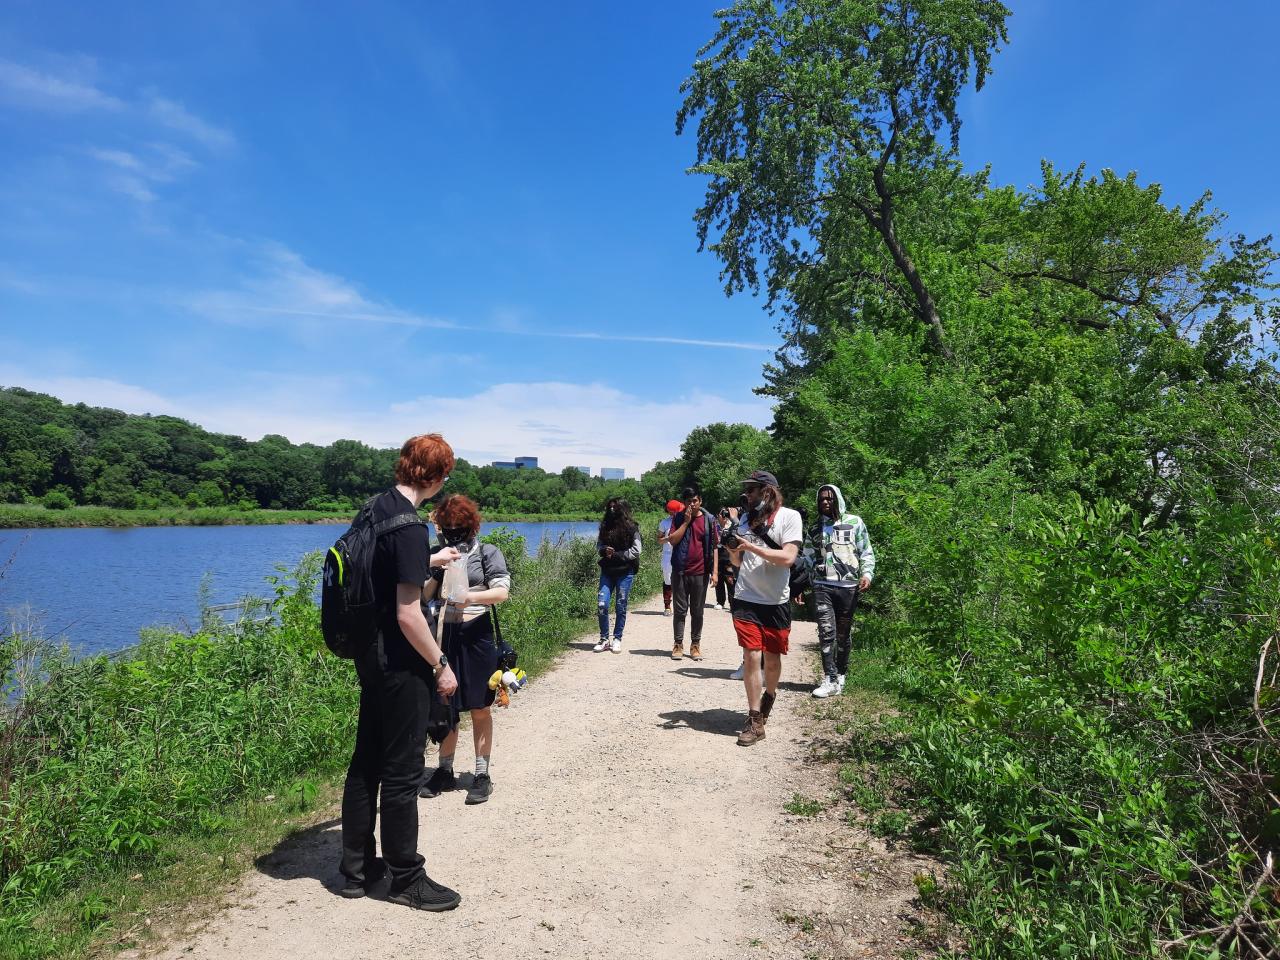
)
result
[(753, 732), (695, 651), (766, 704), (677, 651)]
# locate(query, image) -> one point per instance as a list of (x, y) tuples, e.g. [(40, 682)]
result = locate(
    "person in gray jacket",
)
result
[(844, 565), (618, 545)]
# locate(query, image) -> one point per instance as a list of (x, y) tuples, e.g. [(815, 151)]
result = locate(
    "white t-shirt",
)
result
[(758, 580), (664, 528)]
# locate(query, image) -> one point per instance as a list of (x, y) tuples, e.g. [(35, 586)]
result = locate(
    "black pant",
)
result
[(690, 596), (390, 740), (725, 584), (835, 606)]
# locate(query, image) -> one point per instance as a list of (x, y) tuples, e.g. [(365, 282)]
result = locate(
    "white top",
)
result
[(758, 580), (664, 528)]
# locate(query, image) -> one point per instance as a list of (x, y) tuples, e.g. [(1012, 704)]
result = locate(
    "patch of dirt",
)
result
[(625, 822)]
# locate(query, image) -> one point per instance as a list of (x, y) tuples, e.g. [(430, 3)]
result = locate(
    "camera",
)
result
[(730, 539)]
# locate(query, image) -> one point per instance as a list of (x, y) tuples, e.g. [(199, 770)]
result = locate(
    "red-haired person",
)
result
[(469, 641), (763, 546), (399, 673)]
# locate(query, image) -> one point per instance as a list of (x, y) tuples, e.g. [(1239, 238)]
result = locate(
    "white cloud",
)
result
[(281, 285), (134, 174), (560, 423), (35, 89), (177, 117)]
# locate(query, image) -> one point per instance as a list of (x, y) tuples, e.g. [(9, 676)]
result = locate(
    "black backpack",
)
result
[(801, 571), (348, 610)]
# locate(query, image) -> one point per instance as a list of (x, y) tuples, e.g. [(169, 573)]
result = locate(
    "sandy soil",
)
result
[(625, 822)]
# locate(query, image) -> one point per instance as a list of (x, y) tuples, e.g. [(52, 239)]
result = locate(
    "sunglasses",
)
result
[(456, 533), (753, 487)]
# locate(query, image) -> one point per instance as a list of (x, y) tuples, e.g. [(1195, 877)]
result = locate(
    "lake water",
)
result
[(98, 586)]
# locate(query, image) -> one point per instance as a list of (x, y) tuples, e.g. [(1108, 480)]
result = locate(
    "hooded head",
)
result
[(839, 505)]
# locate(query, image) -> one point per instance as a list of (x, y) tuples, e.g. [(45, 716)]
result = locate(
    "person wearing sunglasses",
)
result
[(763, 546), (469, 640)]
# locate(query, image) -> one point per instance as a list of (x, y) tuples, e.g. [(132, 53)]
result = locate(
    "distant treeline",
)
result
[(62, 455)]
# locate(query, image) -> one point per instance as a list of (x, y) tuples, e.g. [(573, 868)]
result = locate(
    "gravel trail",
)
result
[(625, 822)]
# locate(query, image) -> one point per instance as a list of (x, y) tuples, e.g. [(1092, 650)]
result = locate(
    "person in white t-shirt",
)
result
[(766, 543), (664, 538)]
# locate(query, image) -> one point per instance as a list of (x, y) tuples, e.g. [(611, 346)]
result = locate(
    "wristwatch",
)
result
[(442, 663)]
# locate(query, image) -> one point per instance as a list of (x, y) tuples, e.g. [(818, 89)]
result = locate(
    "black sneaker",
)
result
[(354, 889), (442, 781), (425, 894), (481, 787)]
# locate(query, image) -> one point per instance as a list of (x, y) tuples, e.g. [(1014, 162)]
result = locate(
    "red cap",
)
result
[(674, 506)]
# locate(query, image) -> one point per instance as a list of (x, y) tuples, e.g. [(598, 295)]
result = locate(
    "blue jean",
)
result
[(617, 585)]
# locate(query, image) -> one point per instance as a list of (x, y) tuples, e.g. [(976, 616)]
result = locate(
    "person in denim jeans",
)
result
[(618, 544)]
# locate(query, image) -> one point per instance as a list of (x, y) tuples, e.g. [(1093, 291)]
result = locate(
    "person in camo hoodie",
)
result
[(843, 566)]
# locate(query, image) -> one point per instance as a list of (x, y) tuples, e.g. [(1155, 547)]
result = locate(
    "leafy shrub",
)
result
[(57, 500)]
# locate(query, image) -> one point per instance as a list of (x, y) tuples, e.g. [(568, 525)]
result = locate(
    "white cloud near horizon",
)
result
[(563, 424)]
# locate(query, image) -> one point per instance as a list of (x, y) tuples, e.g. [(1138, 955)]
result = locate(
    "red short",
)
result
[(752, 636)]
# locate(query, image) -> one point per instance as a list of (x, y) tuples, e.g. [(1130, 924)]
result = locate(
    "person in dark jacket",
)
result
[(618, 544), (694, 565)]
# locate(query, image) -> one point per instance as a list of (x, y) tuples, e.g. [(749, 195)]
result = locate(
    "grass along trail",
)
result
[(625, 821)]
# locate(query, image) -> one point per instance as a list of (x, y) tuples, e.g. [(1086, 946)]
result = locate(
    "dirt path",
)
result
[(625, 822)]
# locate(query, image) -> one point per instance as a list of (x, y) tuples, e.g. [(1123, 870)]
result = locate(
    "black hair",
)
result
[(618, 531), (688, 493)]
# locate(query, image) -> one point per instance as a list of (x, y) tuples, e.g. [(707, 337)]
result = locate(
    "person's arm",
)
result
[(677, 532), (414, 627), (784, 556), (633, 551), (866, 556), (664, 538)]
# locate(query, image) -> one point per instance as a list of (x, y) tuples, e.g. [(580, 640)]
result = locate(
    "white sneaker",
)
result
[(616, 646), (719, 606), (666, 612), (602, 646), (825, 689), (840, 683), (737, 674)]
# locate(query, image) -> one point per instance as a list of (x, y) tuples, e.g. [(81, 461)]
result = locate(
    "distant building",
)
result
[(585, 471), (519, 463), (613, 473)]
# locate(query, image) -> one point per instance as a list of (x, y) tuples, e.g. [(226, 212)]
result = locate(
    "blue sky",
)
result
[(378, 219)]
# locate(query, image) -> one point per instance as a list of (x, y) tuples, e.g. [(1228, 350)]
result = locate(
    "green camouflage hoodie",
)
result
[(842, 554)]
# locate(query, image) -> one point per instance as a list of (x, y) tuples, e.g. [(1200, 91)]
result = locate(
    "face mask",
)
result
[(454, 536)]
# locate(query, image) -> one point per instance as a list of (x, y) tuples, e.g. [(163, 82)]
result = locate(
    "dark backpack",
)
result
[(348, 609), (801, 571)]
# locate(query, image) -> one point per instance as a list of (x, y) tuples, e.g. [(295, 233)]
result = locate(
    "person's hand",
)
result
[(608, 552), (864, 584), (446, 682), (711, 581), (463, 601), (444, 557)]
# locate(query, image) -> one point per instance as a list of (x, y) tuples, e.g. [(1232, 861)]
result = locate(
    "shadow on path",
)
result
[(310, 854), (716, 720)]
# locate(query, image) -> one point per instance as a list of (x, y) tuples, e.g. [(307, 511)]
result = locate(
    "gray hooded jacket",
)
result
[(841, 549)]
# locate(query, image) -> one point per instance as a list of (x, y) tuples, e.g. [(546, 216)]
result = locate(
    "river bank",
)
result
[(24, 516)]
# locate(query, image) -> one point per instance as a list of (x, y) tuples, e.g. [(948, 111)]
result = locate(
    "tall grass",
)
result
[(105, 761)]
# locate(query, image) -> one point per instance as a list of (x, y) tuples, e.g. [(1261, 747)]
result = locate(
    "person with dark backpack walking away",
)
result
[(401, 667), (470, 641)]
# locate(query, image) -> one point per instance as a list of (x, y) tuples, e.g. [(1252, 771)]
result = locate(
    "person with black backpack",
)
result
[(400, 667), (470, 637), (764, 546)]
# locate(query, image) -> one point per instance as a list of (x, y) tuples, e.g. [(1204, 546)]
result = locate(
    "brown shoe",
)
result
[(677, 651), (753, 732), (766, 704), (695, 652)]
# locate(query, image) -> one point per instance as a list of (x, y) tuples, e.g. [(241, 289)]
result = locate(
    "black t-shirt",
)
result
[(401, 556)]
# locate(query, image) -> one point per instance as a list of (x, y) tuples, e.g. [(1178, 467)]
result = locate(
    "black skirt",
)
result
[(473, 655)]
